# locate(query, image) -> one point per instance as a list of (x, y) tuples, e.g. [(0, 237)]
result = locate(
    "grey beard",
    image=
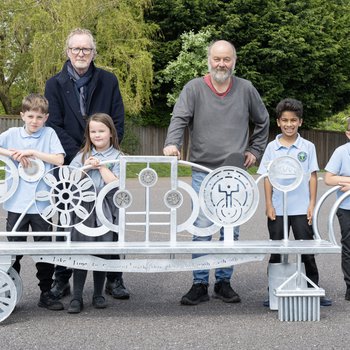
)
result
[(219, 77)]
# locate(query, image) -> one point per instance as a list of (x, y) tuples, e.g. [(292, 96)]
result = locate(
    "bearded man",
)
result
[(217, 108)]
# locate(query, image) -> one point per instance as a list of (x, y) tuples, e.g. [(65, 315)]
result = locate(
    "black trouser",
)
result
[(62, 273), (344, 222), (112, 276), (301, 230), (36, 223)]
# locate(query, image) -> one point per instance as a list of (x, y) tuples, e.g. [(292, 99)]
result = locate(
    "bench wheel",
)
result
[(8, 295), (17, 280)]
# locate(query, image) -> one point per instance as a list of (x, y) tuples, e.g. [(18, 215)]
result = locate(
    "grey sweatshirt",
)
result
[(219, 126)]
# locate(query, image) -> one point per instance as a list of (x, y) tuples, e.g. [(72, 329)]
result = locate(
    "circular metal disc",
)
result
[(148, 177), (229, 196), (285, 173), (32, 173), (8, 295)]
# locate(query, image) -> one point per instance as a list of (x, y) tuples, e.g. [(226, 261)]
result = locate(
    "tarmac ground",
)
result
[(154, 319)]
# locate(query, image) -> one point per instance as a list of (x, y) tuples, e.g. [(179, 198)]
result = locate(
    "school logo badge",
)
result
[(302, 156)]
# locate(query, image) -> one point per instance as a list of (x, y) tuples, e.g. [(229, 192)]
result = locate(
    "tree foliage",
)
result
[(192, 62), (33, 34), (174, 17), (287, 48), (294, 49)]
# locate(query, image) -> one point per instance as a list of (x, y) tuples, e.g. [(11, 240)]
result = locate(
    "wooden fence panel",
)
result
[(151, 139)]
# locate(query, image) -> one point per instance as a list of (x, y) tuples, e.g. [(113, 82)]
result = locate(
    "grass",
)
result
[(162, 169), (2, 171)]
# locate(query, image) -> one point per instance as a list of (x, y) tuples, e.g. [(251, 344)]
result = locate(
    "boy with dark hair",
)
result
[(300, 201)]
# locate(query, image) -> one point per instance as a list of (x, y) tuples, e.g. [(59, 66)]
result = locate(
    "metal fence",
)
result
[(151, 139)]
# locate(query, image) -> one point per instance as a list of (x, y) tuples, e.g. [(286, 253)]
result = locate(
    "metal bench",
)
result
[(229, 197)]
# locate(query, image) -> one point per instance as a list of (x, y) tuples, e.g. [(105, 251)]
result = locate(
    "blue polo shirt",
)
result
[(109, 154), (304, 151), (339, 164), (44, 140)]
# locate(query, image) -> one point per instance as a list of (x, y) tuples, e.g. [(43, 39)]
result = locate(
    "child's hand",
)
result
[(345, 186), (310, 211), (271, 213), (22, 157), (93, 162)]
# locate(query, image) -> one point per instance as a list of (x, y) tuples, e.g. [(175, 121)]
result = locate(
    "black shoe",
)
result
[(197, 294), (75, 306), (48, 301), (347, 294), (60, 289), (117, 289), (266, 302), (99, 302), (224, 291), (325, 301)]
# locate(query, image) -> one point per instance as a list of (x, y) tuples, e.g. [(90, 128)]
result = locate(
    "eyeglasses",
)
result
[(76, 50)]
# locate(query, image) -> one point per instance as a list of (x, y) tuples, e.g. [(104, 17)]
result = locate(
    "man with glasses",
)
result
[(79, 90)]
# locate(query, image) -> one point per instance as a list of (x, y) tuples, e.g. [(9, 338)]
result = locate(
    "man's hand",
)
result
[(171, 150), (249, 160)]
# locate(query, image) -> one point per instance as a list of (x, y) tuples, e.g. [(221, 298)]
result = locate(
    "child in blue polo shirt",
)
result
[(301, 201), (338, 173), (23, 145), (101, 144)]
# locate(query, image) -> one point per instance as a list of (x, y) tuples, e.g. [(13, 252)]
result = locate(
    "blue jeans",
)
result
[(221, 274)]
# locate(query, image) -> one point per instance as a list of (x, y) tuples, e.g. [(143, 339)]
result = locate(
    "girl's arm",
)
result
[(106, 174)]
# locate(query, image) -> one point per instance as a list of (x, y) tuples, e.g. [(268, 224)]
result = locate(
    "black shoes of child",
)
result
[(48, 301), (76, 305), (347, 294), (60, 289), (199, 293), (99, 302), (117, 289)]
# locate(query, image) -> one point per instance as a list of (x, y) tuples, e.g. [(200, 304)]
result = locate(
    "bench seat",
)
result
[(166, 247)]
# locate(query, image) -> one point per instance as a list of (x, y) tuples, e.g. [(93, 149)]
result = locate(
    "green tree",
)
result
[(16, 36), (287, 48), (192, 62), (294, 49), (174, 17), (33, 34)]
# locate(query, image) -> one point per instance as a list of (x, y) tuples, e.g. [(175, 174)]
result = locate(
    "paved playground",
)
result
[(154, 319)]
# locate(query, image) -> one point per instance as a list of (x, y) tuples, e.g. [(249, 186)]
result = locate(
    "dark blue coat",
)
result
[(64, 112)]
